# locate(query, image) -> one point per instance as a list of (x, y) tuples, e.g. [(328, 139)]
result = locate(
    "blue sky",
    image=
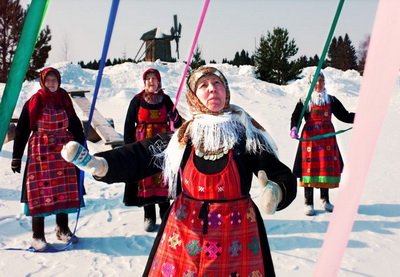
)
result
[(229, 26)]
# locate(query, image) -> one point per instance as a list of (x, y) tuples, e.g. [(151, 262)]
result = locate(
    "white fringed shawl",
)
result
[(205, 130)]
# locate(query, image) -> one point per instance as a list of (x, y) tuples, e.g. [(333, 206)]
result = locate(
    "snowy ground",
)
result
[(112, 240)]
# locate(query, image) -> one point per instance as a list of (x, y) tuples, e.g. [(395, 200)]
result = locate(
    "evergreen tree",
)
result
[(40, 54), (242, 59), (342, 54), (272, 57), (314, 61), (333, 53), (236, 59), (197, 61), (301, 62), (12, 17), (349, 54)]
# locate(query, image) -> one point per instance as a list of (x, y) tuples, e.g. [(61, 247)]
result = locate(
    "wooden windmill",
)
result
[(158, 44)]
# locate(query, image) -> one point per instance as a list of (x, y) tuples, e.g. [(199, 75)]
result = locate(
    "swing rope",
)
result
[(316, 74), (196, 36)]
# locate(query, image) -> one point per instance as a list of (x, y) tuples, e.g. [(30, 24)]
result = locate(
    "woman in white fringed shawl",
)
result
[(318, 162), (213, 226)]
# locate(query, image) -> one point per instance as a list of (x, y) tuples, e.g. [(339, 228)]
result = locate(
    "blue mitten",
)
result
[(75, 153), (271, 193)]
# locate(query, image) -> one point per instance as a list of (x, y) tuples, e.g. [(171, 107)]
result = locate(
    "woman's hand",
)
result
[(75, 153), (293, 133), (271, 194)]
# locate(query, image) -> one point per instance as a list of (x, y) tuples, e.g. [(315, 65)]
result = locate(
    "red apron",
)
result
[(52, 184), (151, 123), (321, 167), (211, 229)]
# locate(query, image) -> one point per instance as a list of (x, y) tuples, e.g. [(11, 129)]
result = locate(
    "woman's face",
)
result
[(211, 92), (319, 85), (51, 82), (151, 83)]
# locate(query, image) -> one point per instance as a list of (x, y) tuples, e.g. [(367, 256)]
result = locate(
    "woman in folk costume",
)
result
[(50, 185), (213, 227), (149, 113), (318, 163)]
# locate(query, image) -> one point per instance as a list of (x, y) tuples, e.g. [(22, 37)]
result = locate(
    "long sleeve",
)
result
[(294, 120), (131, 121), (169, 105), (75, 127), (276, 172), (340, 111), (134, 161), (22, 133)]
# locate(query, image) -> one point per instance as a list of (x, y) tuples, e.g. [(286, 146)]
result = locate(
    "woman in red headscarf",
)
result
[(213, 227), (50, 185), (149, 113)]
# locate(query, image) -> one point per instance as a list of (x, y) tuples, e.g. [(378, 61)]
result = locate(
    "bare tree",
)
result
[(362, 53), (65, 48)]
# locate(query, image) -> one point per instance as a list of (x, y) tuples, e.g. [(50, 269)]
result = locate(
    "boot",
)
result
[(63, 232), (149, 218), (309, 210), (163, 209), (38, 239), (309, 201), (325, 204)]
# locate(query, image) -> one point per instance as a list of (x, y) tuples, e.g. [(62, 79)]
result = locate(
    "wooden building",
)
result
[(158, 45)]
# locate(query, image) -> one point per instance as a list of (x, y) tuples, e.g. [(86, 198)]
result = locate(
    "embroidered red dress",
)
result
[(321, 162), (223, 237), (151, 123), (52, 185)]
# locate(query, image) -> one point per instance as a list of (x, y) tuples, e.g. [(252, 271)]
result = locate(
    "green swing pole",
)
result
[(321, 61), (20, 63)]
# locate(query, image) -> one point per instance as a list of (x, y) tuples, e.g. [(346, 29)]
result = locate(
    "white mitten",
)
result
[(271, 193), (75, 153)]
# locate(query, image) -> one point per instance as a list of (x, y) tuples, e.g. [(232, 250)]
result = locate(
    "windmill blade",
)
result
[(179, 29), (176, 21)]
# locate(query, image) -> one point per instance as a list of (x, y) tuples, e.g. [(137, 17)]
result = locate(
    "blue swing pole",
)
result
[(107, 40)]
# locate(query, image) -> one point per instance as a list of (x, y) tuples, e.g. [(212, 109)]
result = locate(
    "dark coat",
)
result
[(131, 121), (137, 156), (338, 110)]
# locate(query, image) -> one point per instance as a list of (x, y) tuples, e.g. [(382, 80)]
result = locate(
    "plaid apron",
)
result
[(151, 123), (214, 236), (52, 185), (321, 167)]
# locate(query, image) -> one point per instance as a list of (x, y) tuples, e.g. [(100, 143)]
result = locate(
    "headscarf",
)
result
[(318, 98), (45, 98), (157, 96)]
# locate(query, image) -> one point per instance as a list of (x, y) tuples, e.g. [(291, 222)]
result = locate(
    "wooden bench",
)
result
[(101, 126)]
